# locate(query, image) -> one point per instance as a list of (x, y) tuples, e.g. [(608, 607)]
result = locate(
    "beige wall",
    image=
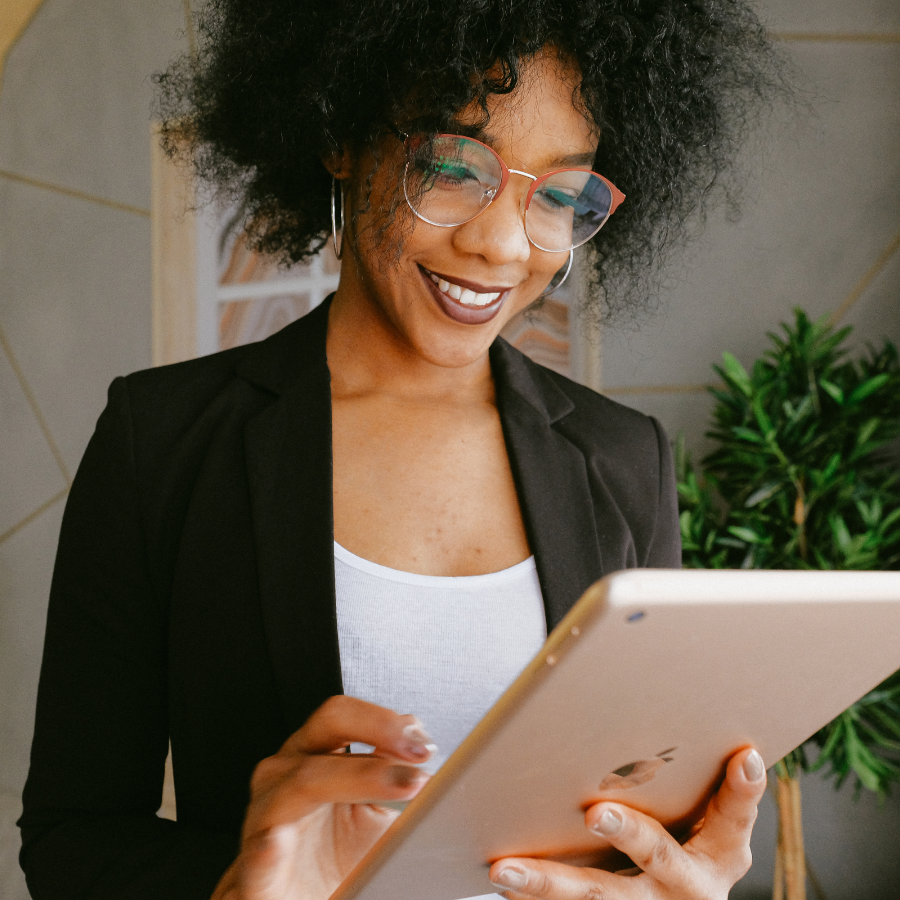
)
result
[(820, 228), (74, 301), (821, 219), (15, 15)]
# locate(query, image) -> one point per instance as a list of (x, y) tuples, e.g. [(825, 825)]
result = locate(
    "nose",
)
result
[(498, 233)]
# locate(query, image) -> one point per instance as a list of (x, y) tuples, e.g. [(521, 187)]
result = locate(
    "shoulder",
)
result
[(624, 434), (181, 386), (627, 457), (168, 401), (601, 427)]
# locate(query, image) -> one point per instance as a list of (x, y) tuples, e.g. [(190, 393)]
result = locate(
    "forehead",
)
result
[(539, 123)]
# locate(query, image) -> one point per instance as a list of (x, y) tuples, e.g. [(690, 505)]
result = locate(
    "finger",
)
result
[(558, 881), (228, 886), (262, 863), (342, 720), (285, 790), (649, 846), (732, 810)]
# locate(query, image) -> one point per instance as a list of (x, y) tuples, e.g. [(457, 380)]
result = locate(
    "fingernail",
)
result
[(754, 767), (609, 823), (511, 877), (404, 776), (418, 743)]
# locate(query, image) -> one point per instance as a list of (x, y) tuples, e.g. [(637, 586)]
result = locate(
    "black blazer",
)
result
[(193, 594)]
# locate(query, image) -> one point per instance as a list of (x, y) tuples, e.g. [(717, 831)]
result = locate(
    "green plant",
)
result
[(798, 479)]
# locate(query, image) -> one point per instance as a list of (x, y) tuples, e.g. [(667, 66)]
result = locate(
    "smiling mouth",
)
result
[(465, 301), (465, 296)]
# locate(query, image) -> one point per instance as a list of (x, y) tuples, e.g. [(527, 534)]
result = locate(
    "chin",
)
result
[(452, 351)]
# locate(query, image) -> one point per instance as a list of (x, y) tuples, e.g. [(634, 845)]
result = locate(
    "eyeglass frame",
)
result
[(616, 194)]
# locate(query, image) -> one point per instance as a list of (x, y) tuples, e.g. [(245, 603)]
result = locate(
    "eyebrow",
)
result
[(570, 160), (575, 159)]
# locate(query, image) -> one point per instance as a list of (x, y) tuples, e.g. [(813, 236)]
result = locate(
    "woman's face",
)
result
[(535, 129)]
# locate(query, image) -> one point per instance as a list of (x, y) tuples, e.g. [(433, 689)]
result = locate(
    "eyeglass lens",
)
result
[(453, 179)]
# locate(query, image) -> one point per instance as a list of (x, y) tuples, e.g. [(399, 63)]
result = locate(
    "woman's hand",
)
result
[(314, 809), (705, 868)]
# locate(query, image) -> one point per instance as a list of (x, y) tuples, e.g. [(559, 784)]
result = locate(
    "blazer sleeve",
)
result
[(89, 825), (664, 550)]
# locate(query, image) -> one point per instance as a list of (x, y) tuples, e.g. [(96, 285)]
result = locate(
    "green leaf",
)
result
[(832, 390), (867, 388), (748, 435), (763, 493), (861, 761), (841, 534), (890, 519), (831, 467), (866, 431), (745, 534), (737, 374), (765, 423)]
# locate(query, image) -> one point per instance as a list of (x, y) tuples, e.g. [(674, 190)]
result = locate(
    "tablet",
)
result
[(638, 695)]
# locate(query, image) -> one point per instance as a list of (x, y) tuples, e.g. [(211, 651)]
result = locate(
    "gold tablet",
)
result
[(639, 695)]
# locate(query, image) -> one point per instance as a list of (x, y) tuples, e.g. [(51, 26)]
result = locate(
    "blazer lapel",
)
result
[(551, 480), (288, 447)]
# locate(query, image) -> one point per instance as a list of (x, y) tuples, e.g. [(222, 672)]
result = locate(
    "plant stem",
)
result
[(818, 890), (790, 827), (800, 517), (778, 881)]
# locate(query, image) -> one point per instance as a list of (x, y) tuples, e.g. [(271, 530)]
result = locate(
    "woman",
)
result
[(374, 517)]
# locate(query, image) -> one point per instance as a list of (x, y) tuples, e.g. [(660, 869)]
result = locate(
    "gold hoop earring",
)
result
[(549, 290), (334, 229)]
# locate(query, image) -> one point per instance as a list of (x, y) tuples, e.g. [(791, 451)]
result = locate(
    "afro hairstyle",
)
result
[(672, 87)]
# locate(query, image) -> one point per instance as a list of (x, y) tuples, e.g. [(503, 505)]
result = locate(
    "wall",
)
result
[(15, 16), (74, 301), (820, 226), (820, 230)]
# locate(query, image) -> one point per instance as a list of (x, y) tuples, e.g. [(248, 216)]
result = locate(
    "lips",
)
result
[(483, 304)]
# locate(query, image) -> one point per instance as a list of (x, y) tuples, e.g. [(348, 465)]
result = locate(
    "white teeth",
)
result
[(463, 295), (480, 299)]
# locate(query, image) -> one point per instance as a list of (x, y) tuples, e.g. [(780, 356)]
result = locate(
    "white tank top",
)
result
[(441, 648)]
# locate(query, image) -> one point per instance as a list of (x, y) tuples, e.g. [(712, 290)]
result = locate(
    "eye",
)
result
[(451, 173), (555, 199)]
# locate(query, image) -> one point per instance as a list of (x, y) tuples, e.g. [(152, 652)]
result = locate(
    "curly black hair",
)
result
[(671, 85)]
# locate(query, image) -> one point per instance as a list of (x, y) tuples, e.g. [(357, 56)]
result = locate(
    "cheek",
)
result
[(542, 269), (381, 220)]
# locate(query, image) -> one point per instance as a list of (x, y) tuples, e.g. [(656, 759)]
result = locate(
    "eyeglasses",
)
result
[(451, 179)]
